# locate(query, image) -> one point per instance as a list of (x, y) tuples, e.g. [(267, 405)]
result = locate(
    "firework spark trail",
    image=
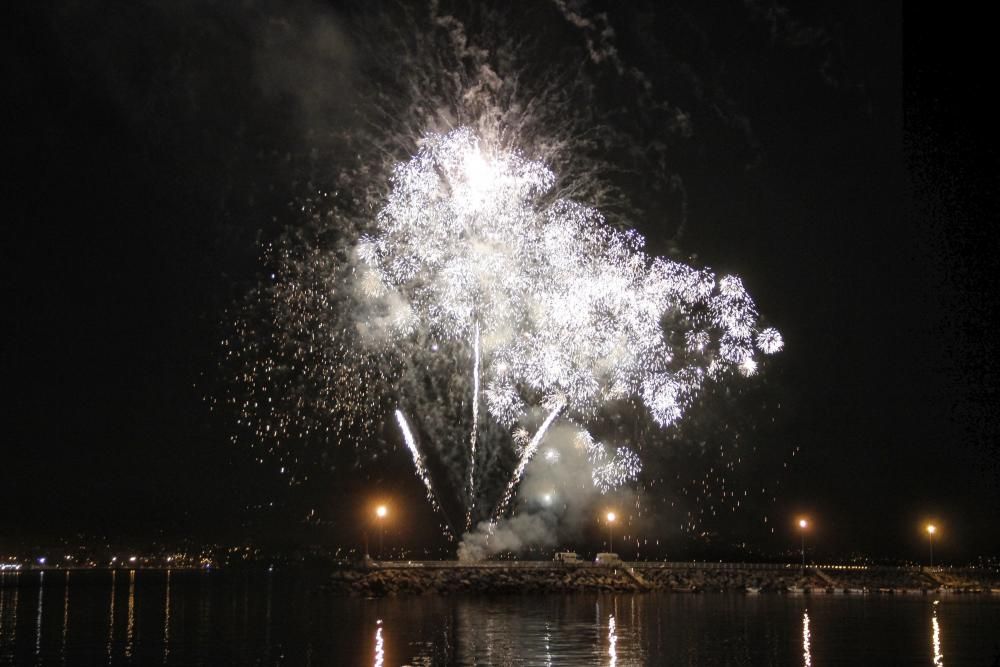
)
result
[(419, 466), (526, 456), (475, 429)]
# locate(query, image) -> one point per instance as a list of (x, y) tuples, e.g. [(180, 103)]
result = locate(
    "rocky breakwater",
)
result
[(449, 577), (383, 579), (695, 579)]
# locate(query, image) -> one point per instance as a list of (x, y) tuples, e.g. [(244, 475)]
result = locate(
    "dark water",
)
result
[(230, 617)]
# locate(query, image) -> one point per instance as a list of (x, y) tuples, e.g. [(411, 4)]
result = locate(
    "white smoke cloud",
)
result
[(514, 534), (557, 499)]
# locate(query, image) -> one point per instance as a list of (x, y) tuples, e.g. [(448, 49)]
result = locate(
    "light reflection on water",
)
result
[(38, 621), (9, 589), (612, 640), (130, 627), (379, 645), (181, 618), (111, 614), (806, 640), (65, 622), (936, 639), (166, 621)]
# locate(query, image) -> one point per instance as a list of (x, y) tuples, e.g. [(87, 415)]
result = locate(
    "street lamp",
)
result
[(380, 513), (931, 529), (611, 534), (803, 524)]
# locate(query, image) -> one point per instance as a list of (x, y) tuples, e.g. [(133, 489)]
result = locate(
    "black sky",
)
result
[(863, 221)]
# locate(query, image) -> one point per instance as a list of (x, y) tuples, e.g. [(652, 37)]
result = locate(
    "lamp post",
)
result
[(931, 529), (611, 531), (380, 513), (803, 524)]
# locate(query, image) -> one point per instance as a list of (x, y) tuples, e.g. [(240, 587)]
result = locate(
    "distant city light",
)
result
[(131, 559), (931, 528), (381, 511), (41, 560), (803, 523), (611, 517)]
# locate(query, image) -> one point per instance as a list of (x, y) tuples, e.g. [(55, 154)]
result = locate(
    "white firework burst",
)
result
[(471, 246)]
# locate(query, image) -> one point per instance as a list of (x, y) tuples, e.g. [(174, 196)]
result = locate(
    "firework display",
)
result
[(463, 252), (561, 313)]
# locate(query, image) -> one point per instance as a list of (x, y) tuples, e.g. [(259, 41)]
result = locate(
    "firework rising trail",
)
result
[(526, 457), (475, 431), (419, 465)]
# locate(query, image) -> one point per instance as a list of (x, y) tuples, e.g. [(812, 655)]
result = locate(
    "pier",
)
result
[(377, 578)]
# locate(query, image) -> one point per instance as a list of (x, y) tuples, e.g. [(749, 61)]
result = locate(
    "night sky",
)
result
[(853, 186)]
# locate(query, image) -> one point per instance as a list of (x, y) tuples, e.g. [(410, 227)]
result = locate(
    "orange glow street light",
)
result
[(931, 529), (611, 531), (803, 525), (380, 513)]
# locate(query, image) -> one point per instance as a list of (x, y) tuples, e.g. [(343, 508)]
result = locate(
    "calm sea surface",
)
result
[(281, 618)]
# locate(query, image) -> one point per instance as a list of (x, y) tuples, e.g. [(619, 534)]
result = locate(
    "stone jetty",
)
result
[(390, 578)]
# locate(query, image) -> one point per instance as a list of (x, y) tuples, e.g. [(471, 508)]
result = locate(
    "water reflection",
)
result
[(130, 628), (532, 630), (3, 604), (65, 624), (548, 646), (491, 638), (166, 622), (612, 641), (936, 638), (38, 621), (111, 615), (9, 587), (379, 645), (806, 640), (282, 619)]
